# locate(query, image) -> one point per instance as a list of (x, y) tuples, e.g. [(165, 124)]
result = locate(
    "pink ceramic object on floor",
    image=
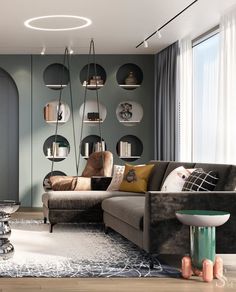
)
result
[(186, 267), (218, 268), (207, 270)]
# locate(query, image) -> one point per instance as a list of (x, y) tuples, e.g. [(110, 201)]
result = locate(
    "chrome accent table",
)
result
[(7, 207)]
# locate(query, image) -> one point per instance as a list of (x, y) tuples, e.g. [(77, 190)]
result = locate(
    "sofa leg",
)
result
[(51, 227), (45, 220), (151, 261), (106, 229), (151, 264)]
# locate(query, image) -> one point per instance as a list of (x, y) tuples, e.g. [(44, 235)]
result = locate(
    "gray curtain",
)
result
[(165, 103)]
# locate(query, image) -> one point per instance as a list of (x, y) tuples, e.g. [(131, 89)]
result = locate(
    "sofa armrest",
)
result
[(163, 233)]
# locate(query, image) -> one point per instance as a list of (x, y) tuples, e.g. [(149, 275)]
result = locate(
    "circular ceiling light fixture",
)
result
[(57, 22)]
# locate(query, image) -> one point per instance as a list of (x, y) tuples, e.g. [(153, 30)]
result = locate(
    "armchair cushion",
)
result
[(63, 183), (99, 164)]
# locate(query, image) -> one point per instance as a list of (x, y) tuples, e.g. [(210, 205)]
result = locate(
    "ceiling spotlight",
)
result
[(166, 23), (43, 51), (159, 34), (145, 44), (71, 52)]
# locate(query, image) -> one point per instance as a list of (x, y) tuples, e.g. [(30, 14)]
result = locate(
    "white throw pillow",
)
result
[(176, 179), (118, 173)]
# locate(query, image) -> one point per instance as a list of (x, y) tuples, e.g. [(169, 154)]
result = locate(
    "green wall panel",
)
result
[(28, 72)]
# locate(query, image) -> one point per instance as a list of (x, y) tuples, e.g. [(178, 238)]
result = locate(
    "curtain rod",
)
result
[(166, 23)]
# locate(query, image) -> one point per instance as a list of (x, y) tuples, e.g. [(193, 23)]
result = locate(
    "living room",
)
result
[(144, 90)]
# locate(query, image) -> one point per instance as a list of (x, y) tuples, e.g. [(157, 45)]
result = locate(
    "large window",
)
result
[(205, 97)]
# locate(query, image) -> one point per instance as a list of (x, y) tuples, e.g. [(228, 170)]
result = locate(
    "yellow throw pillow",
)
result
[(135, 178)]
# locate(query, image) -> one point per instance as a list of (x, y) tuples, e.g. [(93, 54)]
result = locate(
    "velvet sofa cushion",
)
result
[(127, 209), (80, 200)]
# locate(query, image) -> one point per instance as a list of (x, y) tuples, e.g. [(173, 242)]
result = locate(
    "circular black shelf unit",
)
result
[(92, 141), (100, 72), (132, 152), (62, 142), (56, 76), (46, 184), (124, 71)]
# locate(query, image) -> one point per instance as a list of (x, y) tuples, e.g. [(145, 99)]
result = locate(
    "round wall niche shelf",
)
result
[(46, 184), (92, 143), (56, 76), (91, 114), (99, 77), (51, 111), (129, 113), (129, 76), (129, 148), (56, 150)]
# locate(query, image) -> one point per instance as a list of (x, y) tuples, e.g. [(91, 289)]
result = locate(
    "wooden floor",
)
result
[(117, 285)]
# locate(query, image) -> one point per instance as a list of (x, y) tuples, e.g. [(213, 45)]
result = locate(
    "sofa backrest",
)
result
[(157, 174), (226, 172)]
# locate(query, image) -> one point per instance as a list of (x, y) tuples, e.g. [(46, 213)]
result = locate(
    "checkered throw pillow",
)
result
[(199, 180)]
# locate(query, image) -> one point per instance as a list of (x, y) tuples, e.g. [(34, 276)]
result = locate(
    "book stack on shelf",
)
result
[(58, 150), (125, 149), (51, 111), (99, 146), (86, 149), (96, 147)]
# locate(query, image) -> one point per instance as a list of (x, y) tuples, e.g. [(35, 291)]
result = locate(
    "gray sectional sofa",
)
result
[(149, 219)]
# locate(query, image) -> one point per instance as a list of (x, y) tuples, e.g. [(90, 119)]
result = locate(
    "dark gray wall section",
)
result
[(9, 146), (19, 68)]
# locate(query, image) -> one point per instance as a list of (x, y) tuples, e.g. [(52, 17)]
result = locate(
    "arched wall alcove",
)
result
[(9, 129)]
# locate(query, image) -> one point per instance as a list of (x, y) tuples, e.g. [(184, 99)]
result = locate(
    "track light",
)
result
[(159, 34), (165, 24), (43, 51), (145, 44), (71, 51)]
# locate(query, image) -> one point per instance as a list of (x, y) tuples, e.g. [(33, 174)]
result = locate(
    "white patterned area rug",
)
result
[(76, 250)]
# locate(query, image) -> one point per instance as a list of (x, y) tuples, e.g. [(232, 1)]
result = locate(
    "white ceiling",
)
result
[(117, 26)]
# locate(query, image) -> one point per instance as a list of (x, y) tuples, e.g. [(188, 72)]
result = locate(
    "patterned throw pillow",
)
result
[(118, 172), (136, 178), (200, 180), (174, 182)]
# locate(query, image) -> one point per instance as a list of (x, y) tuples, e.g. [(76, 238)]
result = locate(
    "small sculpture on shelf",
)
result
[(95, 80), (131, 79), (60, 111), (93, 116), (126, 112)]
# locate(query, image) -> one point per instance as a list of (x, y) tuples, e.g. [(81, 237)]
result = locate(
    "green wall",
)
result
[(27, 72)]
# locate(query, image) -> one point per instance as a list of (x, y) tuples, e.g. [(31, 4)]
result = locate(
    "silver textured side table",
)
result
[(7, 207)]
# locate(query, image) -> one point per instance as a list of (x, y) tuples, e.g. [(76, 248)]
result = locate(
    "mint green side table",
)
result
[(202, 237)]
